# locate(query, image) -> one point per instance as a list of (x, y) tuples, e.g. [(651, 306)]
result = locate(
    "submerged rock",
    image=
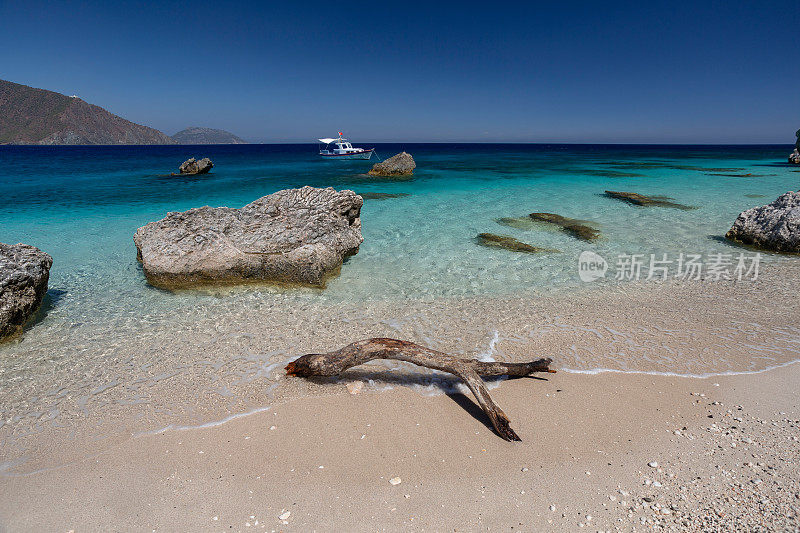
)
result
[(292, 236), (382, 195), (192, 166), (774, 226), (647, 201), (518, 222), (24, 272), (615, 174), (509, 243), (634, 164), (579, 229), (401, 164), (602, 173), (739, 175)]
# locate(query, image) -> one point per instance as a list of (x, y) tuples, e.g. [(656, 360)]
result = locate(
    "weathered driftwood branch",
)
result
[(469, 370)]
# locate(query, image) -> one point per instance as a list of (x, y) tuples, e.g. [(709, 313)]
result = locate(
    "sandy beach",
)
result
[(604, 452), (622, 450)]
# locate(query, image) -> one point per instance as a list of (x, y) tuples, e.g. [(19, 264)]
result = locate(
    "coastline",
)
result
[(209, 370), (725, 447), (625, 401)]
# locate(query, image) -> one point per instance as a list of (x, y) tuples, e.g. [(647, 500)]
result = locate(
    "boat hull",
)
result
[(365, 154)]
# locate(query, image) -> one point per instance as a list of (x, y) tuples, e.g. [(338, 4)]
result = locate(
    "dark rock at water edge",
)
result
[(401, 164), (509, 243), (646, 201), (192, 166), (774, 226), (24, 272), (794, 157), (297, 236)]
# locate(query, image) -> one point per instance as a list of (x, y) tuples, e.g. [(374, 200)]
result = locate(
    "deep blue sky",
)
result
[(568, 71)]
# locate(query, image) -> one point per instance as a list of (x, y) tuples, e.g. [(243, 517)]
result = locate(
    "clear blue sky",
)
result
[(568, 71)]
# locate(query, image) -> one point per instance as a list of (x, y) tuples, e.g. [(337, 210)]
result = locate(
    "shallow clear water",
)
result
[(83, 204)]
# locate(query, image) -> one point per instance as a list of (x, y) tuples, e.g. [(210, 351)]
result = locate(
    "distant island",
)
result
[(197, 135), (38, 116)]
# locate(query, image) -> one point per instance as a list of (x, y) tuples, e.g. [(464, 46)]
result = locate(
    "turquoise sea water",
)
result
[(82, 205)]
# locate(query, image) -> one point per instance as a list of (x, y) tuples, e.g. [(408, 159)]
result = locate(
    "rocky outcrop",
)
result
[(24, 272), (774, 226), (509, 243), (292, 236), (401, 164), (38, 116), (192, 166), (794, 157)]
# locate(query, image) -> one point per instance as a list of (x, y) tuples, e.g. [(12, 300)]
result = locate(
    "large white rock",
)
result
[(293, 236), (774, 226)]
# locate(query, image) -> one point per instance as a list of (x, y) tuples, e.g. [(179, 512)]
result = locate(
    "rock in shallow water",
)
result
[(579, 229), (401, 164), (646, 201), (24, 272), (794, 157), (774, 226), (292, 236), (382, 195), (192, 166), (509, 243)]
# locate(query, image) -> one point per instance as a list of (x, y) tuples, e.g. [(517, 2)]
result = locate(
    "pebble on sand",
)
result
[(652, 464), (354, 387), (395, 481), (285, 515)]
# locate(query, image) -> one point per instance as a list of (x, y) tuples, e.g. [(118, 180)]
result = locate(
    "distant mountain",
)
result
[(196, 135), (38, 116)]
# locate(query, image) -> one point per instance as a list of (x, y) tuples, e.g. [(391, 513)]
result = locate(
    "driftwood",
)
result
[(469, 370)]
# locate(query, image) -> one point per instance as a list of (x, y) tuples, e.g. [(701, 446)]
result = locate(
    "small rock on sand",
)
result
[(395, 481), (285, 515)]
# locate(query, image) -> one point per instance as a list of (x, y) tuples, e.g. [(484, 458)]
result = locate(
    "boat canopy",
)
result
[(327, 141)]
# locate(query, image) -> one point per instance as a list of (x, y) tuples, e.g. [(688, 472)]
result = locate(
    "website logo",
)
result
[(591, 266)]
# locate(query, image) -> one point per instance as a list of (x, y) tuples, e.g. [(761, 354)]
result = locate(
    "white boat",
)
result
[(343, 149)]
